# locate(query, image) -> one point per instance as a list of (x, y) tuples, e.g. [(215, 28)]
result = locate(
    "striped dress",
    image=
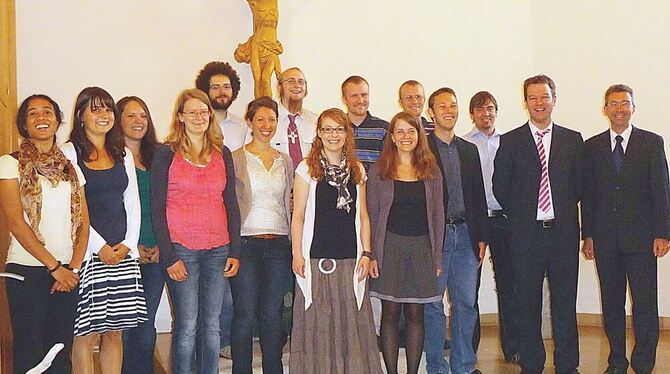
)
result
[(111, 297)]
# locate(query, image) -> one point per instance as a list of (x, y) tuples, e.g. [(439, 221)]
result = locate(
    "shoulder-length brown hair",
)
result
[(177, 139), (96, 97), (149, 141), (314, 156), (423, 160)]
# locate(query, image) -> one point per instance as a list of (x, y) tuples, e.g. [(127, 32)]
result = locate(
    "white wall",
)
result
[(154, 49)]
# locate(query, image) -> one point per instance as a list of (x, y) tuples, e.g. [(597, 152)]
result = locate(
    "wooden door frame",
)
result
[(8, 143)]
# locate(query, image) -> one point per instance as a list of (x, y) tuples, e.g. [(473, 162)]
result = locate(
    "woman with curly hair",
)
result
[(333, 330), (38, 184)]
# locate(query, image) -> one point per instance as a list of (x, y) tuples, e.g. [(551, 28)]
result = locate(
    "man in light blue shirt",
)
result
[(483, 111)]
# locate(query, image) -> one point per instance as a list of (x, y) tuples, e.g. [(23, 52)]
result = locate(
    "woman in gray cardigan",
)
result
[(405, 206), (263, 182)]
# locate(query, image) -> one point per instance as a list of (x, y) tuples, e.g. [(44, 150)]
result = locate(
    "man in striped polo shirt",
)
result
[(369, 131)]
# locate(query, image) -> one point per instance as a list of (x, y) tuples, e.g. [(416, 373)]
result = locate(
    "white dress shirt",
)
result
[(487, 147), (546, 141), (625, 135), (306, 124), (235, 130)]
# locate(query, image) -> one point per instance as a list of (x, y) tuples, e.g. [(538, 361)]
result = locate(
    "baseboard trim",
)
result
[(583, 319)]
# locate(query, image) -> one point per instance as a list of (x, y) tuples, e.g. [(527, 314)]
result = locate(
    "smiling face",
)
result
[(41, 120), (445, 111), (134, 121), (293, 86), (540, 103), (356, 98), (264, 124), (484, 116), (332, 134), (97, 118), (195, 117), (619, 109), (405, 136), (412, 99)]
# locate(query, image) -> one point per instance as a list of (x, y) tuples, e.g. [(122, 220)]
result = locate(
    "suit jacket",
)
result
[(474, 197), (633, 206), (516, 183)]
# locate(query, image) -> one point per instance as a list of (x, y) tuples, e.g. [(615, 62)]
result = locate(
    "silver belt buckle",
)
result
[(324, 271)]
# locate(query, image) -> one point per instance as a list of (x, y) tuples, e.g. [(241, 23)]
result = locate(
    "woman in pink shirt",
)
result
[(197, 225)]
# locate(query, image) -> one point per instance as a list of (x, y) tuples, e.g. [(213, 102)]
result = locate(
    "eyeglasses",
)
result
[(293, 81), (338, 130), (619, 104), (197, 113), (410, 97)]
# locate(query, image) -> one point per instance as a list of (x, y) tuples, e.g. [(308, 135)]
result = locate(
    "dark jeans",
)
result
[(258, 293), (39, 319), (139, 342)]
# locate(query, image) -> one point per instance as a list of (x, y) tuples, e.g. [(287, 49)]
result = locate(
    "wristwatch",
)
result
[(75, 270)]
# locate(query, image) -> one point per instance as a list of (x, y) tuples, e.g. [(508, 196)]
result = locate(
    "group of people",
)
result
[(359, 212)]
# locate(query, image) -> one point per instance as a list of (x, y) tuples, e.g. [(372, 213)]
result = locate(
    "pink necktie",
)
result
[(544, 197), (293, 141)]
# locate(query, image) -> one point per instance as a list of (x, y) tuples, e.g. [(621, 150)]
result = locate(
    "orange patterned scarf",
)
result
[(56, 168)]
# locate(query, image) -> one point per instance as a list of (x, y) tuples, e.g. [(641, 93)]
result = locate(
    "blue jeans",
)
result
[(226, 318), (459, 274), (258, 292), (139, 342), (197, 299)]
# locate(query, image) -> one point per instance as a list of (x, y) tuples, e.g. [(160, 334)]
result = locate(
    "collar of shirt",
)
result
[(283, 112), (625, 135), (534, 129), (229, 118), (476, 133)]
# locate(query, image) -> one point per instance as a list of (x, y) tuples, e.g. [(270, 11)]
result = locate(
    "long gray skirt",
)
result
[(408, 274), (332, 336)]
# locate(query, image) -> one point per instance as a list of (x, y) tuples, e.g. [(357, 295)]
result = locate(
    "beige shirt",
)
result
[(267, 214)]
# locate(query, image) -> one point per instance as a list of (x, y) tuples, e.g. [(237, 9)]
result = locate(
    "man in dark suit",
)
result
[(464, 244), (537, 180), (626, 226)]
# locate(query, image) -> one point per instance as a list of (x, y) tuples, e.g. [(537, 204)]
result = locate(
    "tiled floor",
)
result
[(593, 353)]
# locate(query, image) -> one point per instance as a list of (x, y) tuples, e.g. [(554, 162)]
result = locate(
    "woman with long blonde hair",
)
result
[(197, 225), (333, 330), (407, 218)]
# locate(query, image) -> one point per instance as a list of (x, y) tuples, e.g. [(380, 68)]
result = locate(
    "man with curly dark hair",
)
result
[(222, 84)]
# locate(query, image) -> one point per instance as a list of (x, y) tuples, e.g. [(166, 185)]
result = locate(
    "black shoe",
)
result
[(615, 370), (476, 371)]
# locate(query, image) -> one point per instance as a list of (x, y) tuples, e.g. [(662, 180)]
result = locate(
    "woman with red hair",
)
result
[(333, 330)]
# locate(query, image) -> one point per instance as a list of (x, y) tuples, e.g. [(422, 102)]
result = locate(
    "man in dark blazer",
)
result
[(465, 240), (626, 226), (537, 180)]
